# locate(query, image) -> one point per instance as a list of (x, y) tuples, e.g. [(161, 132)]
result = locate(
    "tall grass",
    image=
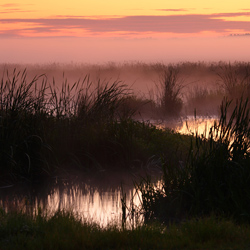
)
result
[(215, 178), (39, 120), (46, 127), (169, 93), (234, 80), (230, 80), (21, 113), (219, 168)]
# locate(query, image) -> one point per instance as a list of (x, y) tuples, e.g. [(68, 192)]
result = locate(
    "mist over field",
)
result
[(199, 86), (102, 50)]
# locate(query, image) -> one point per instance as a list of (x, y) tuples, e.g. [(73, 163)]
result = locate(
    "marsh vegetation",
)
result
[(49, 130)]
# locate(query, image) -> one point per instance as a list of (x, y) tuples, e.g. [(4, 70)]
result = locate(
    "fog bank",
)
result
[(102, 50)]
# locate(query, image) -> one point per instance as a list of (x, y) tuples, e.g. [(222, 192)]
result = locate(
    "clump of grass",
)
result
[(219, 166), (169, 93), (234, 80), (22, 146), (35, 115), (215, 178)]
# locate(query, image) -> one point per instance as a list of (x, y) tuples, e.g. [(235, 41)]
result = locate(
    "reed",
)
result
[(169, 93), (234, 80), (46, 128), (21, 111), (35, 115), (215, 178), (219, 168)]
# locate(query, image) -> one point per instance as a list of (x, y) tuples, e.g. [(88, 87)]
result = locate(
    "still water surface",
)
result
[(90, 199), (190, 124), (96, 199)]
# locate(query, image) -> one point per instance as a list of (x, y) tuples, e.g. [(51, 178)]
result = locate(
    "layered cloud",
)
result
[(163, 24), (12, 8)]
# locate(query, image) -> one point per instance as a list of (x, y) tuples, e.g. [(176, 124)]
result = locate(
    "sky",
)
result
[(97, 31)]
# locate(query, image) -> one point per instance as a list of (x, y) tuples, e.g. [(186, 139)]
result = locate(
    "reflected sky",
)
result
[(86, 202), (100, 203), (196, 125)]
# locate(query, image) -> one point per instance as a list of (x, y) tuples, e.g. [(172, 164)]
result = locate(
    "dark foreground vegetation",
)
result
[(45, 130), (64, 231), (203, 199), (214, 179), (47, 126)]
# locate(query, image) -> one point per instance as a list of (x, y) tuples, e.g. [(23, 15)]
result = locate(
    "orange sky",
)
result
[(31, 31)]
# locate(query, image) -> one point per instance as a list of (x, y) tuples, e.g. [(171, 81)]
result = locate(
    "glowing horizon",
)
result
[(121, 22), (130, 18)]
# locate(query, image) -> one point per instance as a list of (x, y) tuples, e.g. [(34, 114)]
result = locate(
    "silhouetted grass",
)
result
[(40, 123), (64, 231), (215, 178), (45, 128), (234, 80), (169, 93)]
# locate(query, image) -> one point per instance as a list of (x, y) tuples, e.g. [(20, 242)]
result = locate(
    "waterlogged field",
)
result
[(61, 141), (94, 199)]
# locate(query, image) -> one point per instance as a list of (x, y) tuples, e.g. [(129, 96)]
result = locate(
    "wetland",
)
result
[(170, 146)]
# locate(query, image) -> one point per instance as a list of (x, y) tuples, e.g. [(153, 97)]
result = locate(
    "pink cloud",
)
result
[(178, 24), (7, 5), (12, 8)]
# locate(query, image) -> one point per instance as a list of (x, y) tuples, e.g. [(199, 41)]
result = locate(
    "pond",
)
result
[(96, 198), (93, 198)]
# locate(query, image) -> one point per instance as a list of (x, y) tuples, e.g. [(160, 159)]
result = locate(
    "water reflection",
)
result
[(86, 201), (89, 200), (101, 206), (189, 124), (196, 125)]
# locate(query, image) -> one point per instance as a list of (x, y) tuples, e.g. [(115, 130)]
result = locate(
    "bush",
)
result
[(169, 91)]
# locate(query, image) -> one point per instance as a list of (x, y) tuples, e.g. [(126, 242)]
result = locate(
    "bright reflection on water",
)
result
[(101, 206), (199, 125), (87, 200), (190, 125)]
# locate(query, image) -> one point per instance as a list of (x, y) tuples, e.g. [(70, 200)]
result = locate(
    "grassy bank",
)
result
[(46, 129), (63, 231)]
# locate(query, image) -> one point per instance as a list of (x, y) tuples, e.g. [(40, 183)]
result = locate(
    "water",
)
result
[(93, 198), (189, 124), (88, 199), (193, 125)]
